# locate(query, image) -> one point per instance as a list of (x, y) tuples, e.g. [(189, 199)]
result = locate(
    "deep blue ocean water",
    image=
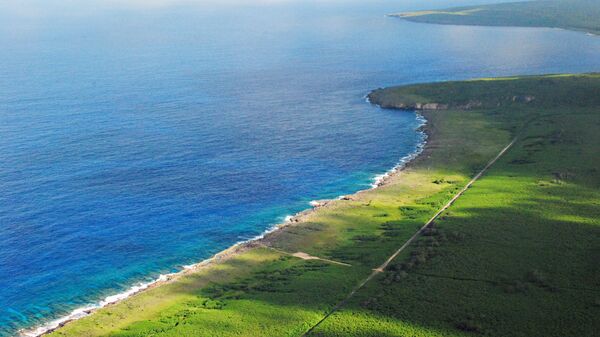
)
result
[(137, 138)]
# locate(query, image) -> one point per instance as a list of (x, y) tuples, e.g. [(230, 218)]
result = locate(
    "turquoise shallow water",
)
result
[(139, 138)]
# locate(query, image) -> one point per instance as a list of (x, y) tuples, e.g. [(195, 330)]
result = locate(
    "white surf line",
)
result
[(304, 256), (382, 267)]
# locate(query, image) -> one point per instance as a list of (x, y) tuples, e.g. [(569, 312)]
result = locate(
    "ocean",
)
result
[(142, 136)]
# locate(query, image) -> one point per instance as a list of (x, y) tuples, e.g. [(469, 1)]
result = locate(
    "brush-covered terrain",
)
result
[(516, 255)]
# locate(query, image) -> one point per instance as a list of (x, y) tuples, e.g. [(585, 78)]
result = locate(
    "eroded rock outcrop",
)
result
[(523, 99), (416, 106)]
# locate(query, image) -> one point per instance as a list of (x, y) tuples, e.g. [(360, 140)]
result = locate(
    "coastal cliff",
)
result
[(392, 99)]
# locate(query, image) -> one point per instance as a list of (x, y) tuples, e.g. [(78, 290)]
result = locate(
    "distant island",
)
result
[(579, 15)]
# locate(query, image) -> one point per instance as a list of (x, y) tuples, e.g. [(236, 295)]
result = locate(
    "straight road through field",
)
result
[(382, 267)]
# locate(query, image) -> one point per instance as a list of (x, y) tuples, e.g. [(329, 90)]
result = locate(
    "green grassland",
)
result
[(516, 255), (581, 15)]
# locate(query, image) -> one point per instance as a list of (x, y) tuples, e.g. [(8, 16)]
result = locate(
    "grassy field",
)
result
[(516, 255), (581, 15)]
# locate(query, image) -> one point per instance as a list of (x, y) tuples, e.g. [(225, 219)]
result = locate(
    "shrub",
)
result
[(468, 326), (536, 277)]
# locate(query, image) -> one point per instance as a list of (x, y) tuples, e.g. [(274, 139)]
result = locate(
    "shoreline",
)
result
[(263, 239)]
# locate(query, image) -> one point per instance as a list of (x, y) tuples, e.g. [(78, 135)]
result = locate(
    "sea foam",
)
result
[(87, 310), (380, 179)]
